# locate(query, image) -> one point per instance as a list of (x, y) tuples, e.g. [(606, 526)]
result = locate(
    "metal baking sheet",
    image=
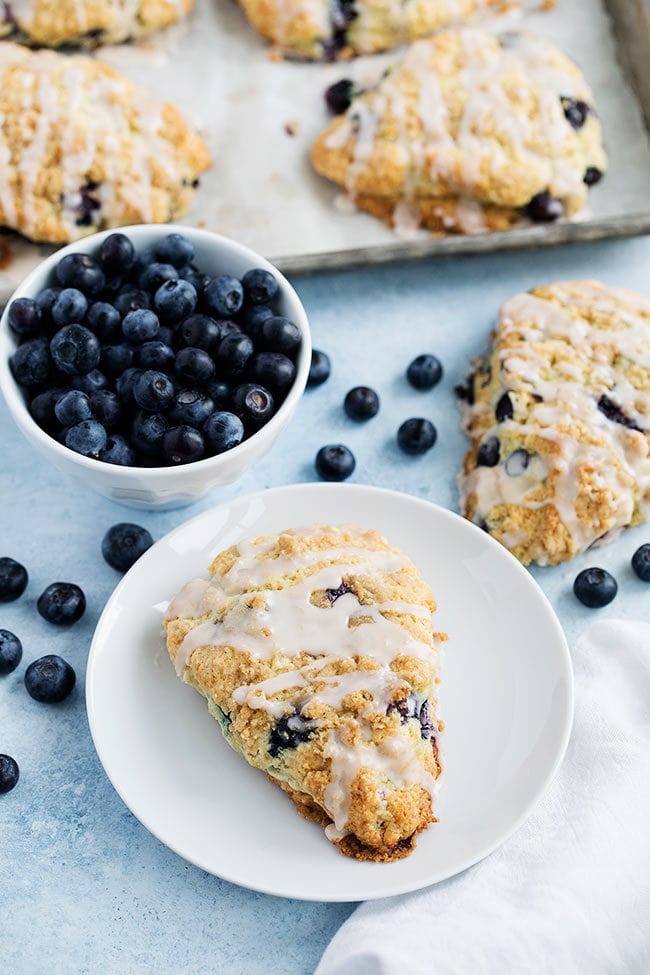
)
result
[(260, 115)]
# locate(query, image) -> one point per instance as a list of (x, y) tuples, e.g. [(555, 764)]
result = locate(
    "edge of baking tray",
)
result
[(421, 249)]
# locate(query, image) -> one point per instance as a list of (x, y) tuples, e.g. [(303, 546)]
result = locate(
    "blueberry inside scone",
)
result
[(470, 132), (316, 653), (558, 413), (82, 148), (332, 29), (87, 23)]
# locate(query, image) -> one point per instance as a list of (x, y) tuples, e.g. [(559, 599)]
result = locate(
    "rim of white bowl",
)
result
[(37, 279)]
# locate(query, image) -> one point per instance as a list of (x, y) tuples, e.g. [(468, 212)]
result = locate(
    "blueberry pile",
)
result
[(144, 360)]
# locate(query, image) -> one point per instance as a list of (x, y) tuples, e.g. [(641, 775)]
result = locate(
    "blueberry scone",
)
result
[(332, 29), (82, 148), (53, 23), (316, 653), (558, 412), (469, 132)]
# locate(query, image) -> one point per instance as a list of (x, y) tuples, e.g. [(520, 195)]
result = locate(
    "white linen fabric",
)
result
[(569, 893)]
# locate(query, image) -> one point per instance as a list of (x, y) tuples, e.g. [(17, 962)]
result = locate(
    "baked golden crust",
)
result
[(54, 23), (315, 650), (82, 148), (558, 413), (469, 132), (331, 29)]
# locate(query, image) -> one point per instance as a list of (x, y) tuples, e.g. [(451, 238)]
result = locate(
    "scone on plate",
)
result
[(558, 413), (82, 148), (316, 653), (332, 29), (87, 23), (470, 132)]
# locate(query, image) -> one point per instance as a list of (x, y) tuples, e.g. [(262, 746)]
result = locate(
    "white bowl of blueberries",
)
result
[(154, 364)]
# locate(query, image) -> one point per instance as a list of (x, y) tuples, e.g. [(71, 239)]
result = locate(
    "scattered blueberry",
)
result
[(488, 453), (31, 362), (319, 370), (195, 366), (595, 587), (72, 407), (182, 445), (424, 372), (147, 432), (361, 403), (117, 254), (175, 249), (592, 176), (106, 407), (75, 349), (13, 579), (118, 451), (9, 774), (338, 97), (155, 355), (504, 409), (201, 332), (175, 300), (335, 462), (223, 431), (416, 436), (141, 325), (193, 407), (253, 404), (70, 306), (273, 370), (544, 208), (49, 679), (123, 544), (11, 651), (153, 391), (80, 271), (641, 562), (87, 438), (260, 286), (278, 334), (61, 603), (24, 316), (233, 354), (224, 296)]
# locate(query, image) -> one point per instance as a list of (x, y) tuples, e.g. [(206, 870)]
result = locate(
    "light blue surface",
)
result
[(83, 887)]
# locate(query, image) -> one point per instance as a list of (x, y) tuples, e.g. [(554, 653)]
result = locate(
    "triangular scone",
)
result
[(558, 412), (316, 652), (470, 132), (82, 148), (331, 29), (87, 23)]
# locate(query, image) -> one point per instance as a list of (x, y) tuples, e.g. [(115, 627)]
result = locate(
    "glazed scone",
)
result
[(469, 132), (331, 29), (316, 653), (558, 412), (53, 23), (82, 148)]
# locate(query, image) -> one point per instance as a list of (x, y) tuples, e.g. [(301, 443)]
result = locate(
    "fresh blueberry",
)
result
[(153, 391), (196, 278), (517, 462), (190, 406), (72, 407), (416, 436), (338, 97), (224, 296), (124, 543), (488, 453), (155, 355), (201, 332), (87, 438), (115, 359), (156, 274), (233, 354), (140, 326), (147, 432), (278, 334), (90, 383), (575, 111), (42, 409), (544, 208), (223, 431), (319, 370), (504, 409), (424, 372), (175, 249), (166, 335), (9, 774), (592, 176), (45, 300), (31, 362), (106, 407), (361, 403), (219, 392), (117, 451), (80, 271), (289, 732), (11, 651), (70, 306), (641, 562), (175, 300), (105, 321), (182, 445), (195, 366), (260, 286), (335, 462), (131, 299), (13, 579), (254, 317), (253, 405), (595, 587), (24, 316), (61, 603), (50, 679), (75, 350), (227, 327), (272, 370), (117, 254), (125, 383)]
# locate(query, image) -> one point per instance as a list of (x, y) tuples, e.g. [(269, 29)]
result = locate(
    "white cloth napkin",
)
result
[(570, 891)]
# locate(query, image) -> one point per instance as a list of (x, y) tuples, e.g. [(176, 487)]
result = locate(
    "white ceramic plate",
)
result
[(506, 698)]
